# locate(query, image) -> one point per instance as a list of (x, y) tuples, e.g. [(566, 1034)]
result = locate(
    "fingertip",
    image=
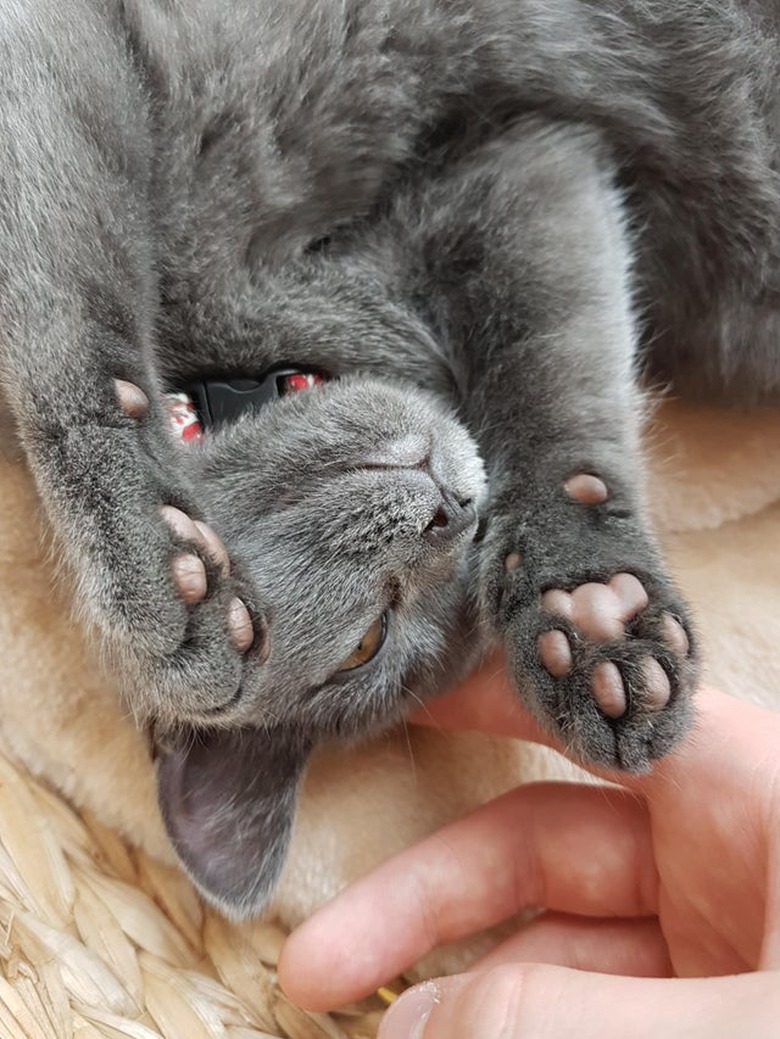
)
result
[(302, 968), (294, 969), (316, 974), (535, 1000), (464, 1006), (407, 1017)]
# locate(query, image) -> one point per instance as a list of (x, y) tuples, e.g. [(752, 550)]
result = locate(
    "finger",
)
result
[(634, 948), (557, 1003), (486, 702), (574, 848), (727, 732)]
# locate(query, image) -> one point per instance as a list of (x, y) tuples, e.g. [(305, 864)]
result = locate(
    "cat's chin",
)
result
[(228, 796)]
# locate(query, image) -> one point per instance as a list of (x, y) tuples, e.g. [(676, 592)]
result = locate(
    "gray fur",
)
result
[(484, 215)]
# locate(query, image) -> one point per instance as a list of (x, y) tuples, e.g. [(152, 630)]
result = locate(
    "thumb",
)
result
[(520, 1000)]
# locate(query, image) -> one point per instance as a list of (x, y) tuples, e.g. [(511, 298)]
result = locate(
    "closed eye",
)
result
[(372, 641)]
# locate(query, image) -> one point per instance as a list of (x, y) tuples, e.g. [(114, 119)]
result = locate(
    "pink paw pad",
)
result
[(555, 653), (586, 489), (131, 398), (600, 613), (608, 690), (189, 573)]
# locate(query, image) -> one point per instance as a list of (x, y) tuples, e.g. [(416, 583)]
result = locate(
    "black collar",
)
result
[(221, 400)]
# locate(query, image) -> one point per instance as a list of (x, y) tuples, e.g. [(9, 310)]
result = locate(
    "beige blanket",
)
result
[(715, 490)]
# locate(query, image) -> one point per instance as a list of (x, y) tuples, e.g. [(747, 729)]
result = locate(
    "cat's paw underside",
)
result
[(597, 637), (153, 577)]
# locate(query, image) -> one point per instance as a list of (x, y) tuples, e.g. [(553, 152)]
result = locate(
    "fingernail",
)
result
[(407, 1017)]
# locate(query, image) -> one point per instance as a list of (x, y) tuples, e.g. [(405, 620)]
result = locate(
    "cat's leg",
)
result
[(571, 578), (77, 373)]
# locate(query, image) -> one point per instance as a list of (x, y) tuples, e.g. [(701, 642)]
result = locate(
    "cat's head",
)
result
[(352, 509)]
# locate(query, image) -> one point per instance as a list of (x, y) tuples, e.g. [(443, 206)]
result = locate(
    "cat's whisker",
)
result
[(410, 751)]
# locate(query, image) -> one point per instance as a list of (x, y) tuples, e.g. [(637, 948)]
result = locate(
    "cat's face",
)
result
[(352, 507)]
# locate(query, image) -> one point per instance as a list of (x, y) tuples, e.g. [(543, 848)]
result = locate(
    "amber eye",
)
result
[(368, 647)]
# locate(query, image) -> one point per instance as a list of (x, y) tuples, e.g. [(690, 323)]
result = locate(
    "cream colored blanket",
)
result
[(100, 941)]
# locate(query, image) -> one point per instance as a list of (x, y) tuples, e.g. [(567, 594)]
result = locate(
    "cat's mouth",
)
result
[(201, 405)]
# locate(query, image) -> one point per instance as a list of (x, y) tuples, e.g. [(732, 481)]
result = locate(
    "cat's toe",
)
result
[(612, 693), (555, 652), (180, 523), (240, 627), (656, 684), (608, 689), (190, 577), (132, 400), (675, 635), (213, 546), (204, 536), (188, 529)]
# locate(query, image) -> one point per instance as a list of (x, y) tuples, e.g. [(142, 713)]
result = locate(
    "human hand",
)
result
[(675, 874)]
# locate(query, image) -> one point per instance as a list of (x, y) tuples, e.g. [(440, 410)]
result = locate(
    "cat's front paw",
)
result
[(180, 623), (598, 639), (612, 667)]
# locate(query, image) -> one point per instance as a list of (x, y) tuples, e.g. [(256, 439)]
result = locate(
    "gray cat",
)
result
[(473, 221)]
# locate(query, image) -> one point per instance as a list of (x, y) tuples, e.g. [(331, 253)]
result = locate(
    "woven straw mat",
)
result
[(100, 941)]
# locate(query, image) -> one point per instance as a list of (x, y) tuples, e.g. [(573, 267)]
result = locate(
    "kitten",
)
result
[(471, 220)]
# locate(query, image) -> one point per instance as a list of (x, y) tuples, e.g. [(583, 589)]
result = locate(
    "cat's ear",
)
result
[(228, 802)]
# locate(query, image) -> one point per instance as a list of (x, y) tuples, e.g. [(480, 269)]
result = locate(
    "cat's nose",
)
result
[(451, 518)]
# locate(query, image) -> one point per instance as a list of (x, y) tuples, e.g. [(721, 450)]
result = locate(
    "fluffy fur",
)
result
[(475, 217)]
